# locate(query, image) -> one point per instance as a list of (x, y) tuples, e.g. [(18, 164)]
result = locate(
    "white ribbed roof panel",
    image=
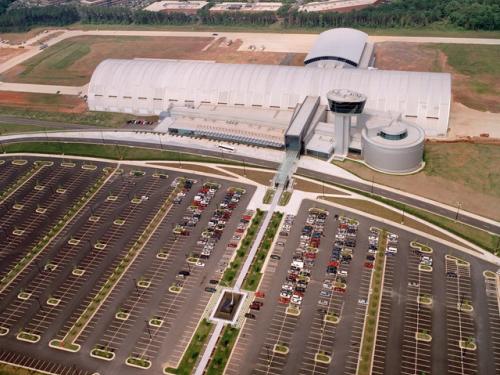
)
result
[(341, 44), (137, 84)]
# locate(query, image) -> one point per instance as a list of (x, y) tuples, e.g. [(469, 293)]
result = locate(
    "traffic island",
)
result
[(18, 232), (331, 318), (78, 272), (322, 357), (119, 222), (102, 353), (94, 219), (53, 301), (39, 187), (64, 345), (490, 275), (99, 245), (41, 210), (423, 336), (18, 206), (24, 296), (421, 247), (160, 175), (111, 198), (162, 255), (136, 200), (176, 289), (73, 241), (67, 164), (155, 322), (28, 337), (293, 311), (425, 300), (467, 344), (122, 315), (281, 348), (4, 331), (89, 167), (144, 284), (424, 268), (465, 307), (19, 162), (61, 191), (138, 363)]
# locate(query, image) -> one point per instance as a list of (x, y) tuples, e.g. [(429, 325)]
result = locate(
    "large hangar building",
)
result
[(284, 106)]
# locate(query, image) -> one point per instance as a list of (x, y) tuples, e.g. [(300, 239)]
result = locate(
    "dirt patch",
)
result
[(8, 53), (194, 167), (23, 37), (261, 177), (72, 61), (314, 187), (43, 102)]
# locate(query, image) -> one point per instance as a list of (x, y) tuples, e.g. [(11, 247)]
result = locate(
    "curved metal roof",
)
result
[(151, 86), (342, 44)]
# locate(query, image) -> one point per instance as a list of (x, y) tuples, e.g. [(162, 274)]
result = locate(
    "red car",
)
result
[(369, 265)]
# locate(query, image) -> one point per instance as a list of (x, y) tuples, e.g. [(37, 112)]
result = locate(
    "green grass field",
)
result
[(100, 119), (14, 128)]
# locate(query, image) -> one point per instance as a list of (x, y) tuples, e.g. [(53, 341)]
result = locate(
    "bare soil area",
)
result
[(72, 61), (194, 167), (8, 53), (261, 177)]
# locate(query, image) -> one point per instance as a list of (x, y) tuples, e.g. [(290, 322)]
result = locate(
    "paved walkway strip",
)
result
[(369, 336), (54, 232), (68, 341)]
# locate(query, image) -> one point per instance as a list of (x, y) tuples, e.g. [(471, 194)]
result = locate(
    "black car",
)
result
[(209, 289), (249, 316), (275, 257), (184, 273), (370, 257), (214, 282)]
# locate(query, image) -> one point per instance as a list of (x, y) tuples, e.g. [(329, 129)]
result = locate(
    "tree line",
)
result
[(467, 14)]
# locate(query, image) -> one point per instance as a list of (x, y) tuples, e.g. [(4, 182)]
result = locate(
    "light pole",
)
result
[(459, 206)]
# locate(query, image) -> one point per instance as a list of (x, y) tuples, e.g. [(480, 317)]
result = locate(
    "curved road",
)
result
[(488, 225)]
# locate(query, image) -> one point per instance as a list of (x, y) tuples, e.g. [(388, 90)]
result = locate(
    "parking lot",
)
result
[(438, 312), (419, 289), (161, 295)]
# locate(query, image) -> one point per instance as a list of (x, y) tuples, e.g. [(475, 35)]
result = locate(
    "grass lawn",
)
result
[(14, 370), (478, 88), (229, 275), (370, 328), (14, 128), (454, 172), (255, 272), (193, 350), (222, 351), (101, 119), (108, 152)]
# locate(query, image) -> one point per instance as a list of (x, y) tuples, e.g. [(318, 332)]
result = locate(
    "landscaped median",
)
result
[(254, 274), (53, 232), (371, 318), (188, 360), (37, 167), (232, 270), (68, 342), (222, 351)]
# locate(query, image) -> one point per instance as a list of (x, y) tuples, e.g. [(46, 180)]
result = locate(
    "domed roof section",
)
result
[(342, 44)]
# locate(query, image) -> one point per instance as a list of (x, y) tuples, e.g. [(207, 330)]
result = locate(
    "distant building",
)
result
[(337, 5), (187, 7), (246, 7)]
